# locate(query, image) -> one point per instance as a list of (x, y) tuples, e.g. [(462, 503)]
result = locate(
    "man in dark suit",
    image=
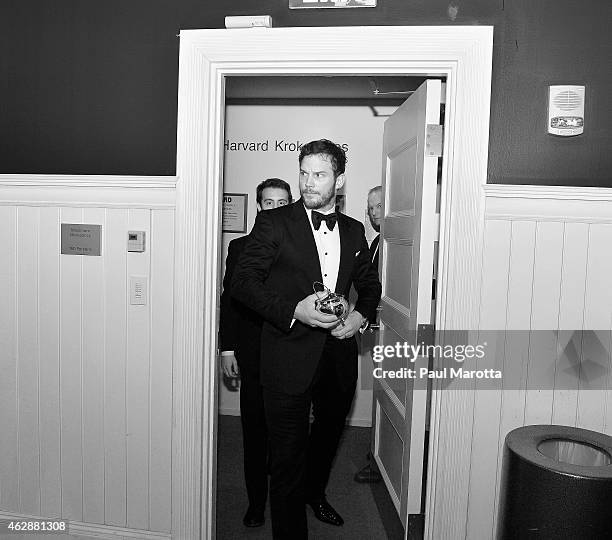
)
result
[(307, 357), (369, 474), (374, 213), (239, 338)]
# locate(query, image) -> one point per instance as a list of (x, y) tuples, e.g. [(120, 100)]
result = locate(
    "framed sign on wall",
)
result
[(80, 239), (235, 212), (312, 4)]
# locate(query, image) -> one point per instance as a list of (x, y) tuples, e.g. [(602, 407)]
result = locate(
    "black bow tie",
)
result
[(330, 220)]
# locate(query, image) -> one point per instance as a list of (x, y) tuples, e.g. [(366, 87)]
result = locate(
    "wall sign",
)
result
[(235, 212), (310, 4), (80, 239)]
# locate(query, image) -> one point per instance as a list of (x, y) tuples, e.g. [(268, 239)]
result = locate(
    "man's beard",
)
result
[(314, 201)]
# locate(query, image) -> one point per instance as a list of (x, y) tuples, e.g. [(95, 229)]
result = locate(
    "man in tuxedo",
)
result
[(307, 357), (239, 338)]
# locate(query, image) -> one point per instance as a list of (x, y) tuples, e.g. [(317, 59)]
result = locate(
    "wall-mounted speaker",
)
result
[(565, 110)]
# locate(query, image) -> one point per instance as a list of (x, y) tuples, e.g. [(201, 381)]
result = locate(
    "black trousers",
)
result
[(301, 455), (254, 434)]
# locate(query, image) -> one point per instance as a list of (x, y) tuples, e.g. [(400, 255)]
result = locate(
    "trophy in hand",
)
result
[(330, 303)]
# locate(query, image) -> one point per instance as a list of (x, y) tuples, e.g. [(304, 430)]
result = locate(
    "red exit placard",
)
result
[(314, 4)]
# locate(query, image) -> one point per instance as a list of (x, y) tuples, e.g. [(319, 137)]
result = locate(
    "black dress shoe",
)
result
[(253, 518), (325, 512), (367, 475)]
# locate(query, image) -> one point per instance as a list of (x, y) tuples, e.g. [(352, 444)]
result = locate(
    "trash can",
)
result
[(556, 483)]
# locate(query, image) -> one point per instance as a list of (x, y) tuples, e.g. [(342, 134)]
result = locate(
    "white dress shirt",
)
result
[(328, 247)]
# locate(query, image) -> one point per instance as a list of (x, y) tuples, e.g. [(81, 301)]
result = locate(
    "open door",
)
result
[(408, 231)]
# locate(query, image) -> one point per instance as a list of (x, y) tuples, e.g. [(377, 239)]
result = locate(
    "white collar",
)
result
[(309, 211)]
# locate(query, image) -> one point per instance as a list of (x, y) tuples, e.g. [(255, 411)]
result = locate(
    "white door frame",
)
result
[(463, 55)]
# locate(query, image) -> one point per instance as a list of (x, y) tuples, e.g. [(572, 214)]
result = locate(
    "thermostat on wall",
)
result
[(136, 241), (565, 110)]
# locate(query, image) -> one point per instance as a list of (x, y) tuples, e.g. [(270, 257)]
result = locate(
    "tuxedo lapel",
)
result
[(374, 247), (346, 254), (306, 242)]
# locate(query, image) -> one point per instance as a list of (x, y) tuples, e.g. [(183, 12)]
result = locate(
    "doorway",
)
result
[(463, 55), (267, 118)]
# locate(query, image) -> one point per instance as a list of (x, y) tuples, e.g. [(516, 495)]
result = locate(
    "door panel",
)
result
[(408, 233), (397, 387), (402, 166), (398, 269), (390, 452)]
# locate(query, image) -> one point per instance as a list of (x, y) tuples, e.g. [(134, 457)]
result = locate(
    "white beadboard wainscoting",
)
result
[(547, 265), (85, 377)]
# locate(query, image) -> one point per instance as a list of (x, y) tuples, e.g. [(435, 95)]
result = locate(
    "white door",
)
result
[(408, 232)]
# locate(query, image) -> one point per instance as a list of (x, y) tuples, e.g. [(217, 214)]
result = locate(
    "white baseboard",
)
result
[(94, 530), (359, 422), (229, 411)]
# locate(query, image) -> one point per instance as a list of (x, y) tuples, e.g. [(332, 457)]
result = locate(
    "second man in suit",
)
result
[(374, 214), (239, 338), (369, 474)]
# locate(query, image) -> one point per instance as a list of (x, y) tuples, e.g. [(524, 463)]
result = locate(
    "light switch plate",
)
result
[(139, 289)]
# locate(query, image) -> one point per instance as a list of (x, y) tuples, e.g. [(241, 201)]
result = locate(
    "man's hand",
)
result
[(230, 366), (351, 325), (306, 313)]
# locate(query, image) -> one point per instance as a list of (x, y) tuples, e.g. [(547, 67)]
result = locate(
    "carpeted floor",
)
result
[(366, 508)]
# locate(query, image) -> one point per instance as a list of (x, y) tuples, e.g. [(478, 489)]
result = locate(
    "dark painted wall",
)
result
[(91, 87)]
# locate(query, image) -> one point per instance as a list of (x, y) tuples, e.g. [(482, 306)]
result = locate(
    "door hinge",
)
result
[(434, 136)]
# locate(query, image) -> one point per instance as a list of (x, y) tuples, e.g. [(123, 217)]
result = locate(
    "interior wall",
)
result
[(547, 302), (279, 129), (86, 377), (91, 88)]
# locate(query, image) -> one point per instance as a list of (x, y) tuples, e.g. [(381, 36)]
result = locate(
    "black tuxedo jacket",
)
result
[(239, 326), (276, 270)]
